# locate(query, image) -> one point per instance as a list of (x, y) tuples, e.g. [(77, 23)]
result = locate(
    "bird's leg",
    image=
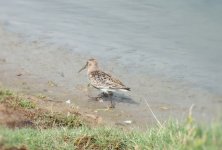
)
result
[(88, 85), (100, 96), (110, 93), (111, 99), (97, 98), (112, 104), (104, 94)]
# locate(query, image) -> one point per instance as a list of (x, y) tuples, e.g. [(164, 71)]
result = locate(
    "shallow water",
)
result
[(179, 39), (169, 52)]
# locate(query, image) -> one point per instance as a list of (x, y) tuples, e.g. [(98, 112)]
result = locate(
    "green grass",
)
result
[(61, 131), (39, 117), (4, 93), (12, 99), (171, 136), (26, 104), (52, 120)]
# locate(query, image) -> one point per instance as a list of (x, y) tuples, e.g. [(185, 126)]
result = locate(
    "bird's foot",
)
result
[(110, 93), (111, 106), (103, 94), (98, 98)]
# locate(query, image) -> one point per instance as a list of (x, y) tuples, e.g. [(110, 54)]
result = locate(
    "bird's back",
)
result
[(102, 80)]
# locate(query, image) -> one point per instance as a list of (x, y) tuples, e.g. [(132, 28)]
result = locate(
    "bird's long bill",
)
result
[(84, 67)]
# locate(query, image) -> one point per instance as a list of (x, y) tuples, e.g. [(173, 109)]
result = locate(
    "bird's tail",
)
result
[(125, 89)]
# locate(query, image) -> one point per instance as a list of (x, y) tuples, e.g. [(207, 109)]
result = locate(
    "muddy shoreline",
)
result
[(40, 68), (28, 73)]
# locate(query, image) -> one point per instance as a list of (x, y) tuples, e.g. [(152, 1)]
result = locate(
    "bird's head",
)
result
[(91, 65)]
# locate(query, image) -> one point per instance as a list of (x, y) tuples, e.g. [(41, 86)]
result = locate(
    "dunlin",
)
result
[(101, 80)]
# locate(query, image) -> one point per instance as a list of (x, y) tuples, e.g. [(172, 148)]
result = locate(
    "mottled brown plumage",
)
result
[(102, 80)]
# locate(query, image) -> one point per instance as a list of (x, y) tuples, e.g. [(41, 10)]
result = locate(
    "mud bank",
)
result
[(41, 68)]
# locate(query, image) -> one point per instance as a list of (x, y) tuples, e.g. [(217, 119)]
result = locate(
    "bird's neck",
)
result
[(92, 68)]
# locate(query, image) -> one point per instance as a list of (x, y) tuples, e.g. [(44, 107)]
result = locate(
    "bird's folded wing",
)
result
[(101, 79)]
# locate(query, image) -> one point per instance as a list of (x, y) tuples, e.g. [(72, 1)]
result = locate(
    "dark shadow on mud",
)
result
[(121, 98), (116, 98)]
